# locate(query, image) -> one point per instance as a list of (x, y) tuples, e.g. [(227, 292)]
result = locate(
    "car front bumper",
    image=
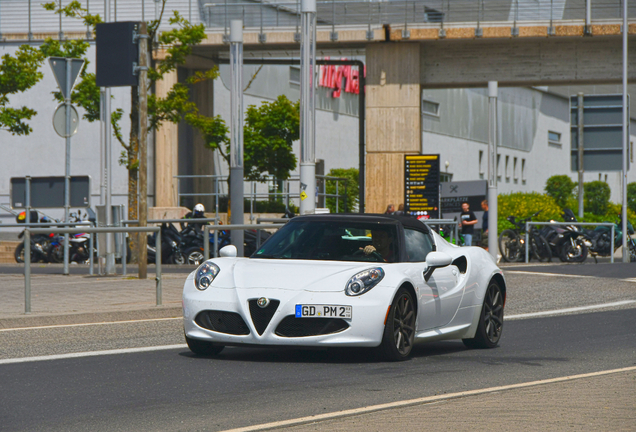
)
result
[(364, 329)]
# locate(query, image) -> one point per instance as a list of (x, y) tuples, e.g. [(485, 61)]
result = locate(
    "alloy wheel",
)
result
[(404, 325), (493, 313)]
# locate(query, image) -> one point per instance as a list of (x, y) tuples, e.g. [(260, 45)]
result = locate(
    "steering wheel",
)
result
[(376, 254)]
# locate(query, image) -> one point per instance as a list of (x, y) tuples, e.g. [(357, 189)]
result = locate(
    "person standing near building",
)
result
[(484, 225), (468, 221), (390, 209)]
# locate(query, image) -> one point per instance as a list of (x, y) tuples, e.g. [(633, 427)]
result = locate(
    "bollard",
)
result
[(216, 243), (612, 252), (27, 271), (124, 254), (158, 267), (206, 243), (91, 248)]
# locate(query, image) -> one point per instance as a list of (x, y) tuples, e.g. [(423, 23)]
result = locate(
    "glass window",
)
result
[(294, 75), (333, 240), (430, 108), (554, 138), (418, 245)]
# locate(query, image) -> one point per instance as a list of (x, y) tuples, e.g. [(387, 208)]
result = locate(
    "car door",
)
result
[(440, 296)]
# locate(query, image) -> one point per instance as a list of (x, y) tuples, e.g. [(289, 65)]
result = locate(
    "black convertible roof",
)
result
[(406, 221)]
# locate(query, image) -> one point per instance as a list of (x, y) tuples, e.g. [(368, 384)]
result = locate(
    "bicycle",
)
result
[(512, 242)]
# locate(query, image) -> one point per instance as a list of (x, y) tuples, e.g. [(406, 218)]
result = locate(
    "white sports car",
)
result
[(346, 281)]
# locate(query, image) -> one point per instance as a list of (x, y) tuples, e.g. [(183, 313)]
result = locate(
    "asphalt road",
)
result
[(173, 390)]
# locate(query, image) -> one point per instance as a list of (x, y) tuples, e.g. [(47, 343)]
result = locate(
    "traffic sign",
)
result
[(59, 121), (59, 66)]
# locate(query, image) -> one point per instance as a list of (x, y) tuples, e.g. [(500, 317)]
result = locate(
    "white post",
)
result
[(492, 169), (625, 136), (307, 107), (108, 166), (236, 132)]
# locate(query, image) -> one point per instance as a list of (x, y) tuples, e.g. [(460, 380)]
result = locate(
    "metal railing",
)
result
[(27, 253), (611, 225), (17, 17), (272, 194)]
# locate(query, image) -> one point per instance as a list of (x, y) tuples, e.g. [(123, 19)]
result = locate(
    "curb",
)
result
[(26, 321)]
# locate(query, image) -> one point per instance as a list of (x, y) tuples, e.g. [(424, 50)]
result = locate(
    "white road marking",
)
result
[(92, 354), (548, 274), (419, 401), (568, 310), (90, 324)]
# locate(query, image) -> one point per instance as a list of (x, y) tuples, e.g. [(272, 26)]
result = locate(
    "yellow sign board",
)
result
[(303, 195)]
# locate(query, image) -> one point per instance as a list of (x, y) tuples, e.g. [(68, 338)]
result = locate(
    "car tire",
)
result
[(490, 319), (399, 331), (203, 348)]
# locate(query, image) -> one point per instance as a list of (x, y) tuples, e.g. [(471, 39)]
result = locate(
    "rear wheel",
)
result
[(541, 248), (510, 245), (19, 254), (399, 331), (203, 348), (490, 320)]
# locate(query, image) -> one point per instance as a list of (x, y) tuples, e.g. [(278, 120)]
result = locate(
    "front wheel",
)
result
[(19, 254), (194, 256), (510, 246), (574, 250), (490, 321), (399, 331), (203, 348)]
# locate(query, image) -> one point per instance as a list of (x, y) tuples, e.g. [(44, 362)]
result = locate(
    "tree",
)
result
[(269, 132), (631, 196), (175, 107), (352, 190), (561, 188), (596, 197), (18, 73)]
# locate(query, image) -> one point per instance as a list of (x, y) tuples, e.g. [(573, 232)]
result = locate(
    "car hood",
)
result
[(305, 275)]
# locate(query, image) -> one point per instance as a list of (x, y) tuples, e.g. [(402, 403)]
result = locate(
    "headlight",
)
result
[(205, 275), (364, 281)]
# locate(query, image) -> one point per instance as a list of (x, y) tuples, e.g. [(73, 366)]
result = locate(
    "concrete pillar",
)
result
[(166, 152), (393, 120)]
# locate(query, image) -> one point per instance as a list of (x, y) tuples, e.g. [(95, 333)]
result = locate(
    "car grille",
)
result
[(222, 322), (262, 316), (291, 326)]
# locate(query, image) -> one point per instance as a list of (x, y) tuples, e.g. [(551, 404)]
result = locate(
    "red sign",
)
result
[(332, 76)]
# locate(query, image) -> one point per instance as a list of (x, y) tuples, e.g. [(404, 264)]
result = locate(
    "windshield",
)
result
[(333, 240)]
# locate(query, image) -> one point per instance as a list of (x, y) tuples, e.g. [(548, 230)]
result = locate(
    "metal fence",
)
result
[(27, 253), (28, 20), (286, 194)]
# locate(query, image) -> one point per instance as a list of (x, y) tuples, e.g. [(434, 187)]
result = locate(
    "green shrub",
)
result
[(596, 197), (523, 205), (631, 196), (561, 188), (353, 190)]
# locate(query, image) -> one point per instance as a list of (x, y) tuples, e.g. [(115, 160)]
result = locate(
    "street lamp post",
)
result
[(236, 132), (492, 168), (307, 107)]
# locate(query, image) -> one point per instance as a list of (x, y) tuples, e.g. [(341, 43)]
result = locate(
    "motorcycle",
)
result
[(39, 242), (171, 246), (79, 245), (566, 242), (599, 241)]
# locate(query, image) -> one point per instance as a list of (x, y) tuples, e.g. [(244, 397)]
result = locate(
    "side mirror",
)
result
[(228, 251), (436, 260)]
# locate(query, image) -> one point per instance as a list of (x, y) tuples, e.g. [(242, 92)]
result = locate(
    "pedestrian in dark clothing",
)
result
[(468, 220), (484, 225)]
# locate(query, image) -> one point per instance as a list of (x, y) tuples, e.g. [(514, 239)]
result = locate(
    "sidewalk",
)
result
[(58, 299), (606, 402)]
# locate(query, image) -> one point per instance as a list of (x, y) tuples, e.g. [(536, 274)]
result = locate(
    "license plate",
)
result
[(323, 311)]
